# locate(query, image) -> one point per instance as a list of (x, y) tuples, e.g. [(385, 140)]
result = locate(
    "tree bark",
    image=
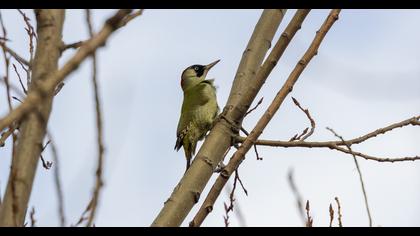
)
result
[(33, 126), (186, 194)]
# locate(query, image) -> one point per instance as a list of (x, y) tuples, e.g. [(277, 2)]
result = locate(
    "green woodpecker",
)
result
[(199, 108)]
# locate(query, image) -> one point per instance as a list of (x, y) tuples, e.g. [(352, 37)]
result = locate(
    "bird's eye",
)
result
[(196, 68)]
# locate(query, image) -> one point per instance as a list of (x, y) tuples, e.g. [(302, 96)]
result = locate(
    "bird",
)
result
[(199, 108)]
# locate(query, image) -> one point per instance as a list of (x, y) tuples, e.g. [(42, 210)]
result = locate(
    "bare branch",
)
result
[(244, 89), (298, 196), (336, 145), (6, 64), (20, 80), (31, 33), (100, 145), (360, 175), (14, 54), (306, 111), (256, 106), (32, 215), (57, 180), (331, 211), (75, 45), (238, 157), (309, 220), (340, 224)]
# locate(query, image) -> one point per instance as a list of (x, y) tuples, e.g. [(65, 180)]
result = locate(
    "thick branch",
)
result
[(186, 193), (264, 120)]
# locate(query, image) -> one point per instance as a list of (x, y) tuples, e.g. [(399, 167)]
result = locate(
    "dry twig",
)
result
[(297, 194), (331, 210), (336, 145), (305, 134), (340, 223), (100, 145), (360, 175), (57, 180), (309, 219)]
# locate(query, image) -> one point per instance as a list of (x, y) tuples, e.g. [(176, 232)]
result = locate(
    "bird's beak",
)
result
[(209, 66)]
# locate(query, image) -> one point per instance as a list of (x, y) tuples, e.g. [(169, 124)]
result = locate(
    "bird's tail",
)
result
[(189, 149)]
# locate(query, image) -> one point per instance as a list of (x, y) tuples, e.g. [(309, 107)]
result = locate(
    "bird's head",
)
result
[(194, 74)]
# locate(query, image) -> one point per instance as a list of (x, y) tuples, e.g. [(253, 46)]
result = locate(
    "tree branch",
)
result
[(336, 145), (264, 120), (304, 134), (57, 180), (360, 175), (100, 145), (219, 139), (186, 194)]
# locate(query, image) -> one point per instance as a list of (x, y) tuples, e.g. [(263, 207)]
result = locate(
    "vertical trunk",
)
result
[(33, 126)]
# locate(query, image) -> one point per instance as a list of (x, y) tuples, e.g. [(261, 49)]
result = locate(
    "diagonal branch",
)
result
[(239, 155), (245, 87)]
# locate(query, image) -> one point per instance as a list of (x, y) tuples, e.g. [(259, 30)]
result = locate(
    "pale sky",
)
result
[(366, 76)]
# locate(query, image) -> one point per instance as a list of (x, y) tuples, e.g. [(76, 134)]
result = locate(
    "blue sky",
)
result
[(365, 76)]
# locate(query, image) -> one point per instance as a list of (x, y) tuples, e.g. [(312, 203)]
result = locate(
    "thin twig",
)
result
[(32, 215), (360, 175), (57, 180), (309, 219), (232, 198), (100, 145), (75, 45), (31, 33), (6, 64), (308, 115), (255, 107), (20, 80), (340, 223), (14, 54), (297, 194), (83, 217), (226, 216), (46, 164), (331, 211)]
